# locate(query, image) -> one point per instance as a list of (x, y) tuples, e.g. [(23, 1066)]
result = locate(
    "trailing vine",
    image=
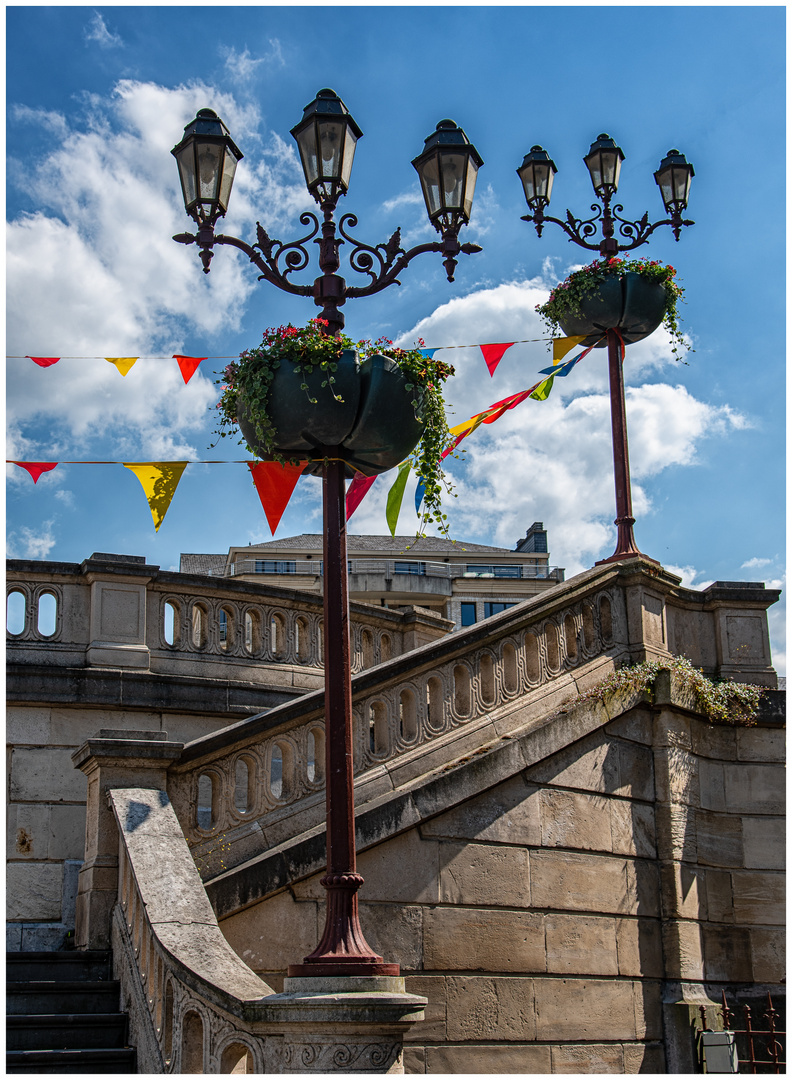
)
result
[(309, 349), (725, 702)]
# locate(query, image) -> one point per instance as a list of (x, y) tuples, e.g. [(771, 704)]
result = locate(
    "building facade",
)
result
[(463, 582)]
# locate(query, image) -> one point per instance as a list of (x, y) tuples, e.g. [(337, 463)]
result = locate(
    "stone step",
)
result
[(58, 966), (67, 1031), (83, 996), (71, 1061)]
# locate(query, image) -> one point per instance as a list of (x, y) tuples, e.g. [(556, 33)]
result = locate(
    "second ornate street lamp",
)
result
[(603, 162), (326, 137)]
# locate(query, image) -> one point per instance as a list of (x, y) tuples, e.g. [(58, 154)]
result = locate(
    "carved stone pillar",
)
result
[(343, 1024), (112, 759)]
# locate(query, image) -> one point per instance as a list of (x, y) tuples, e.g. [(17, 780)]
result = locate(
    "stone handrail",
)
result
[(259, 782), (119, 612), (191, 999)]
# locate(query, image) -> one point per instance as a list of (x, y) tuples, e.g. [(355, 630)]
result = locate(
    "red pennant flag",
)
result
[(188, 365), (357, 491), (275, 484), (493, 354), (43, 361), (36, 468)]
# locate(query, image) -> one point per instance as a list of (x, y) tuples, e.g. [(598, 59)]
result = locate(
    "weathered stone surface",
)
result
[(27, 827), (272, 935), (635, 725), (761, 744), (484, 875), (573, 820), (648, 1000), (759, 898), (395, 932), (639, 948), (507, 814), (755, 789), (33, 891), (768, 952), (483, 940), (714, 741), (764, 843), (417, 880), (433, 1027), (581, 945), (681, 778), (526, 1059), (414, 1059), (727, 953), (28, 725), (562, 1016), (591, 765), (45, 774), (644, 1058), (490, 1009), (591, 1058), (720, 899), (594, 883), (683, 891), (633, 828), (676, 832), (683, 950), (719, 839)]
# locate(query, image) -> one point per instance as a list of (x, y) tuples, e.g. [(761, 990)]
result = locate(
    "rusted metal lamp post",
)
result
[(603, 162), (326, 138)]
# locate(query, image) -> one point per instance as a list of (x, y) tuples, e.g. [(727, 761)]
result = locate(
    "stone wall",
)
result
[(555, 919)]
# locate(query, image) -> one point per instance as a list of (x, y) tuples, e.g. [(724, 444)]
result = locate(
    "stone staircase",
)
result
[(63, 1015)]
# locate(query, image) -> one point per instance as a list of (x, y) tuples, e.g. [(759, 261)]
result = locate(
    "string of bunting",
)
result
[(493, 353), (275, 482)]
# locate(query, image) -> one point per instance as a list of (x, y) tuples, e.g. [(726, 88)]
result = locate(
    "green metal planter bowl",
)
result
[(373, 428), (627, 302)]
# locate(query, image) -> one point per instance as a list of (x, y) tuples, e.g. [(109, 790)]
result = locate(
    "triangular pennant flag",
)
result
[(275, 484), (123, 363), (357, 491), (565, 369), (563, 345), (36, 468), (159, 480), (395, 497), (44, 361), (419, 494), (493, 354), (188, 365), (542, 391), (428, 353)]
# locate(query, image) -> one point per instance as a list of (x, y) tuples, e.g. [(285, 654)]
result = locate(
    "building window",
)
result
[(468, 614), (509, 570), (276, 566), (409, 568), (492, 608)]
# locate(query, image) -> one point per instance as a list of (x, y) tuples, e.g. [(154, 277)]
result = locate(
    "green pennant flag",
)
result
[(395, 496), (542, 392)]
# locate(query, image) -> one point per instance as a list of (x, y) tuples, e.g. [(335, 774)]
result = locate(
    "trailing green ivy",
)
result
[(309, 349), (726, 702)]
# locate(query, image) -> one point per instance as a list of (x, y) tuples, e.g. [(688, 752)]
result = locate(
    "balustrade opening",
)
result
[(15, 612), (533, 665), (315, 767), (46, 618), (243, 785), (192, 1048), (551, 643), (276, 772), (570, 636), (204, 813), (510, 680), (378, 728), (434, 702), (461, 690), (200, 626), (408, 716), (367, 649), (170, 622), (606, 620), (487, 678), (589, 635), (236, 1059), (386, 647)]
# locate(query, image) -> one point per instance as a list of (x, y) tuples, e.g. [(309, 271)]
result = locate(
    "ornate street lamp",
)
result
[(326, 137), (603, 162)]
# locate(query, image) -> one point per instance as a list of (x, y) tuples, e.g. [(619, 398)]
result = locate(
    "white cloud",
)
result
[(98, 257), (97, 31), (242, 66), (755, 563), (689, 575), (28, 544)]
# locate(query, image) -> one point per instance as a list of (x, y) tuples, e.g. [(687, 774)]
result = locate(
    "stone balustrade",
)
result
[(255, 784), (118, 612)]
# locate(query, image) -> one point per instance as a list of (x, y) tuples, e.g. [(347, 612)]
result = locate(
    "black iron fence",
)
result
[(759, 1046)]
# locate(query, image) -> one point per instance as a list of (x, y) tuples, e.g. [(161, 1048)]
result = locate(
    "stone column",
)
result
[(112, 759), (342, 1024), (117, 636)]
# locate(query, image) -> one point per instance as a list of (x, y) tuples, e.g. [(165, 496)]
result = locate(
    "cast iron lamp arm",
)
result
[(362, 258), (579, 230)]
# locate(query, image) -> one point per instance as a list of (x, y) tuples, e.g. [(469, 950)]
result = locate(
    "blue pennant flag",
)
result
[(563, 369), (428, 353), (419, 494)]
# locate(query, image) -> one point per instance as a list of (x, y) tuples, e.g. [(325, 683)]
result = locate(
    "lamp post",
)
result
[(326, 138), (603, 162)]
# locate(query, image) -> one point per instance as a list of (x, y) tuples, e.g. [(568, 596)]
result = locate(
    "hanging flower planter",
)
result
[(634, 297), (304, 395)]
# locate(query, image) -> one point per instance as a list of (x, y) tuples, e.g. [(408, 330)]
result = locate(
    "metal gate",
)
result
[(757, 1047)]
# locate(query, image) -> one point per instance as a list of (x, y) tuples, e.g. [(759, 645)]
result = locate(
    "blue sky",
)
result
[(97, 97)]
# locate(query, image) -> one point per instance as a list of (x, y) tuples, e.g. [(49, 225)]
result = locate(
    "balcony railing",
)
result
[(392, 568)]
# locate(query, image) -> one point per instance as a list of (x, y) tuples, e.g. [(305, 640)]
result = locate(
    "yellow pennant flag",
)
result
[(159, 480), (563, 345), (123, 363)]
